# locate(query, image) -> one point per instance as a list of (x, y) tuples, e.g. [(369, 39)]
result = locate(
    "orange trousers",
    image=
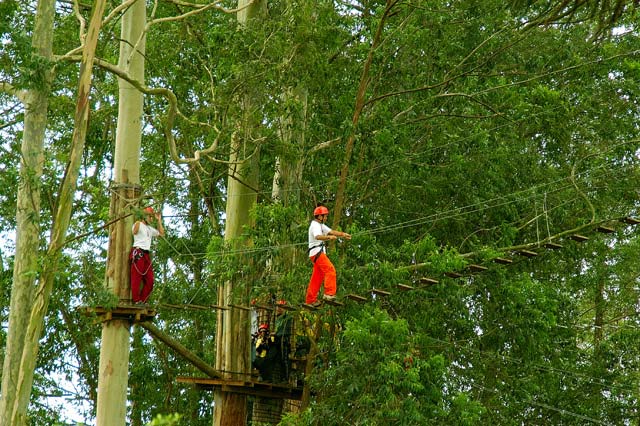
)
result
[(323, 270)]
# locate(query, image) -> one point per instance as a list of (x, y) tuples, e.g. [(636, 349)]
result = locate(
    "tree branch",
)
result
[(7, 88), (172, 112)]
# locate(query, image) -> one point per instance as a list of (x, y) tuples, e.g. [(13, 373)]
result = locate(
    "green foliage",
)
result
[(165, 420), (477, 136), (378, 376), (105, 298)]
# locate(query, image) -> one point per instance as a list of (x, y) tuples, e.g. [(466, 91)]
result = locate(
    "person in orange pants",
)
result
[(323, 269)]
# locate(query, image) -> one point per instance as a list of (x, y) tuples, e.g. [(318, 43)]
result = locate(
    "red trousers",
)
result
[(141, 275), (323, 270)]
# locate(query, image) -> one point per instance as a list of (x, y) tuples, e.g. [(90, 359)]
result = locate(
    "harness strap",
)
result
[(322, 250)]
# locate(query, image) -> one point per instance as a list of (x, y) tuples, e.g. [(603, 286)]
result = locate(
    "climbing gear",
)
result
[(136, 254), (320, 210), (323, 249)]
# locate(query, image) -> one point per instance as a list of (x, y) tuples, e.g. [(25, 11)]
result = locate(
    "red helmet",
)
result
[(263, 327), (320, 210), (149, 210)]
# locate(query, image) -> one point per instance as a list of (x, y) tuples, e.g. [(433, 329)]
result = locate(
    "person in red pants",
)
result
[(141, 268), (323, 269)]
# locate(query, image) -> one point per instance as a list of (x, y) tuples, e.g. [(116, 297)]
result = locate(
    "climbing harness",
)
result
[(136, 254)]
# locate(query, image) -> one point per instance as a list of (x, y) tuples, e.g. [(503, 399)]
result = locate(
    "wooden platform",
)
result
[(251, 387), (133, 313)]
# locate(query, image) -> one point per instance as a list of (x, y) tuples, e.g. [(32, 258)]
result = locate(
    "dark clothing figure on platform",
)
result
[(141, 267), (266, 352)]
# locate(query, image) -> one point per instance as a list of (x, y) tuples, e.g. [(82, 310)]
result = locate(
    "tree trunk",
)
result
[(114, 351), (27, 213), (288, 170), (233, 325), (233, 332), (60, 225)]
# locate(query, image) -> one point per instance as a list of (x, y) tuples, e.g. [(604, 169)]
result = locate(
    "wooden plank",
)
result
[(244, 308), (309, 306), (579, 238), (333, 302), (428, 281), (605, 229), (503, 261), (527, 253), (453, 274), (477, 268), (379, 292), (265, 307), (630, 220), (553, 246), (255, 388), (135, 313), (194, 359), (356, 297), (404, 287)]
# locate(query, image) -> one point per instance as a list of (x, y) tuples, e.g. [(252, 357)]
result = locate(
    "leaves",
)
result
[(476, 136)]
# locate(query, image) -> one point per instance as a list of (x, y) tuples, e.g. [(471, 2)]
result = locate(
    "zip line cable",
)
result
[(450, 214)]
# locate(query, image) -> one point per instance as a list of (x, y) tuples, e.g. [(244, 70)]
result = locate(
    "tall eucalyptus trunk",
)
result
[(115, 349), (25, 268), (289, 166), (233, 325)]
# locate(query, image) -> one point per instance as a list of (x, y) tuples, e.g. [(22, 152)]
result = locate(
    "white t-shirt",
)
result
[(143, 238), (316, 229)]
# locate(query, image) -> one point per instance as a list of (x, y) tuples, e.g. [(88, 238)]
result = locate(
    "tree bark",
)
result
[(62, 218), (27, 213), (288, 170), (115, 348), (233, 325)]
